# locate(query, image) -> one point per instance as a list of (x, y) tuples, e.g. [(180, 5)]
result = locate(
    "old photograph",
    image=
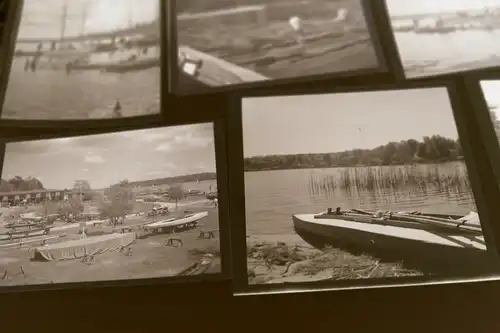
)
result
[(232, 42), (446, 36), (85, 59), (127, 205), (362, 185), (491, 90)]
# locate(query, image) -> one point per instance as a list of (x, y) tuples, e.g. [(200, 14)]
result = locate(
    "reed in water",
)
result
[(418, 177)]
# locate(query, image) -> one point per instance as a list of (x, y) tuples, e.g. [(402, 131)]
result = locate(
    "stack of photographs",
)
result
[(113, 171)]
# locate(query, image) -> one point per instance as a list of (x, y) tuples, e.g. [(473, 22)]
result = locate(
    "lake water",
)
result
[(273, 196), (54, 95), (459, 50)]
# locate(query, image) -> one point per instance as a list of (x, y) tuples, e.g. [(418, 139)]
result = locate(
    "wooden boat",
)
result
[(433, 243), (119, 67), (88, 246), (213, 71), (186, 221)]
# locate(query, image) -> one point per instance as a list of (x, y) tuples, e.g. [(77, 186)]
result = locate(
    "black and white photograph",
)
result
[(491, 90), (224, 43), (127, 205), (446, 36), (85, 59), (359, 185)]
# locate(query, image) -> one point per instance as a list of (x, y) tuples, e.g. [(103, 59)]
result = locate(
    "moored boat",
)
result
[(432, 243)]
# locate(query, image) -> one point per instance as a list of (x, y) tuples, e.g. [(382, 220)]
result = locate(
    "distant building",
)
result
[(34, 196)]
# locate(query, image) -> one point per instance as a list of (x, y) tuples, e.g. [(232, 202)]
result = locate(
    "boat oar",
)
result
[(443, 223)]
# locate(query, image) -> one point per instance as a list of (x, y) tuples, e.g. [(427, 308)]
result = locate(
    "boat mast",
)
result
[(64, 16)]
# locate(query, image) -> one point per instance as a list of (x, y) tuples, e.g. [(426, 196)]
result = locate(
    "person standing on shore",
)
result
[(117, 110)]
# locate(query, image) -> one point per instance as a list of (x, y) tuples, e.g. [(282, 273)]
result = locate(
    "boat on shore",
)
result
[(431, 243), (118, 67), (172, 224)]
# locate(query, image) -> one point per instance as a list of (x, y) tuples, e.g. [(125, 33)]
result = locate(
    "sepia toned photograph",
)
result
[(85, 59), (128, 205), (491, 90), (349, 191), (446, 36), (223, 43)]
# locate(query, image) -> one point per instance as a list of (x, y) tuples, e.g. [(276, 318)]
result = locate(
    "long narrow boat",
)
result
[(432, 243), (189, 220)]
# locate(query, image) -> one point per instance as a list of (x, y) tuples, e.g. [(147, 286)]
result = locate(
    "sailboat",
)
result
[(128, 54), (55, 58)]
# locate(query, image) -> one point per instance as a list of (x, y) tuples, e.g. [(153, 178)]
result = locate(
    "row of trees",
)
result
[(18, 183), (176, 180), (434, 149)]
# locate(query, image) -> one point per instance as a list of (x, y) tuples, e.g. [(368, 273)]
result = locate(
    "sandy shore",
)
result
[(287, 258), (149, 256)]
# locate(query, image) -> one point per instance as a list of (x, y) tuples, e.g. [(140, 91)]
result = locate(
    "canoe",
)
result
[(432, 243), (186, 220)]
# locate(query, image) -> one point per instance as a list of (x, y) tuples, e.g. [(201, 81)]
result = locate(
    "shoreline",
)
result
[(358, 166), (150, 257), (287, 258)]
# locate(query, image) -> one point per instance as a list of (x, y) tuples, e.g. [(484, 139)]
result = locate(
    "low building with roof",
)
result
[(35, 196)]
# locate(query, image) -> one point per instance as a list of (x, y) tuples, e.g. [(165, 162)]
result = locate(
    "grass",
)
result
[(340, 265)]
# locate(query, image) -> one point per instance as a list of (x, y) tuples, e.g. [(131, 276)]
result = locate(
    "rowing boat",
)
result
[(188, 220), (433, 243)]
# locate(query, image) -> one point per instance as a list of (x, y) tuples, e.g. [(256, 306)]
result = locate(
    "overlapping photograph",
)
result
[(446, 36), (361, 185), (223, 43), (85, 59), (127, 205)]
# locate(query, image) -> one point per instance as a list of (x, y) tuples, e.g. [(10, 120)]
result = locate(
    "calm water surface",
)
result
[(273, 196), (52, 94), (470, 49)]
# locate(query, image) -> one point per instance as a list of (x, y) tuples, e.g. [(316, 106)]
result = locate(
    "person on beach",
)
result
[(117, 110)]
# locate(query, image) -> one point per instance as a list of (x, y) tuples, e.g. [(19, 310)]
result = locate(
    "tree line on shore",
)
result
[(433, 149), (18, 183)]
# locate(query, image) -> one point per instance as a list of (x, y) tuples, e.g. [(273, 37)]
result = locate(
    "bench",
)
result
[(208, 234), (173, 241)]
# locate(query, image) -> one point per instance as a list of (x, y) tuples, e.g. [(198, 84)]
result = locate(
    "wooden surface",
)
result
[(210, 308)]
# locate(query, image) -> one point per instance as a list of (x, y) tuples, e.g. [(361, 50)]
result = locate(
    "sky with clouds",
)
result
[(105, 159), (43, 18), (409, 7)]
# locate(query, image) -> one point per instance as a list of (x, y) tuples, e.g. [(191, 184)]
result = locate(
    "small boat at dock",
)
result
[(432, 243)]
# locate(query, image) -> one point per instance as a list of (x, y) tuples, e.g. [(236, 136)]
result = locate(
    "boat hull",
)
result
[(426, 251), (120, 67), (172, 224)]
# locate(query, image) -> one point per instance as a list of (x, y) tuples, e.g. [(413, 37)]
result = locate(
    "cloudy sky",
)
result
[(409, 7), (43, 18), (491, 90), (338, 122), (106, 159)]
